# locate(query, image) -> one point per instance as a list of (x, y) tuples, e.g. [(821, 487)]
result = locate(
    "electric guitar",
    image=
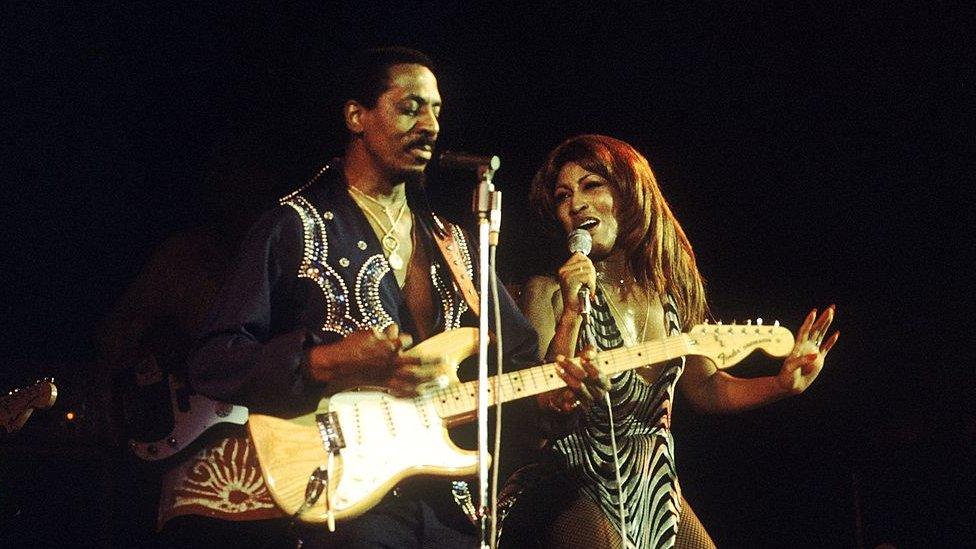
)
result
[(340, 461), (16, 408), (193, 414)]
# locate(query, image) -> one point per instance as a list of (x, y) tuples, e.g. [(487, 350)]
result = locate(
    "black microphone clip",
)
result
[(451, 160)]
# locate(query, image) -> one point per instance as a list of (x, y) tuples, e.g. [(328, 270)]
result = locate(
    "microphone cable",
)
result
[(493, 494)]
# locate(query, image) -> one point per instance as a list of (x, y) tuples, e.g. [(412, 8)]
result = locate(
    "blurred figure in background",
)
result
[(143, 345)]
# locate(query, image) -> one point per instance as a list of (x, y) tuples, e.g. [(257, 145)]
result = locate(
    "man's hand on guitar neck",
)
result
[(375, 358)]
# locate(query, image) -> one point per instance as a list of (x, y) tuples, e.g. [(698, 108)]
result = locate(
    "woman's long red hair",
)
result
[(656, 248)]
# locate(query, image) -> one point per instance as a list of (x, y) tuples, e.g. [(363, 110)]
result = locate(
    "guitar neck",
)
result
[(462, 399)]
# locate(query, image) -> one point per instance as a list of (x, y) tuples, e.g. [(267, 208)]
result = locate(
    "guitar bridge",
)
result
[(318, 481), (330, 432)]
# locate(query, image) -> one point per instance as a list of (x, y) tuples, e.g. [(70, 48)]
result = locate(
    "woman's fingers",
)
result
[(572, 373), (576, 272), (810, 336), (803, 333), (829, 344), (593, 374), (819, 329), (582, 376)]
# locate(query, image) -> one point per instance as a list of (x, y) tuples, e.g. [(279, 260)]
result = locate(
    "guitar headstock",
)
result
[(727, 344), (19, 404)]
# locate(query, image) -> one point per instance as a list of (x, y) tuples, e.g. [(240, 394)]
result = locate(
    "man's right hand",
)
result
[(374, 357), (368, 356)]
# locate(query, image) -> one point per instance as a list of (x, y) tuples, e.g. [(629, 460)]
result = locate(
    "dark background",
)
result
[(815, 154)]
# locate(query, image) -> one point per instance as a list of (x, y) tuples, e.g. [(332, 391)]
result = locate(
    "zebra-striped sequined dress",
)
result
[(641, 423)]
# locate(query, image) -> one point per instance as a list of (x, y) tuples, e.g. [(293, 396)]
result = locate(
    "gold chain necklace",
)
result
[(391, 244)]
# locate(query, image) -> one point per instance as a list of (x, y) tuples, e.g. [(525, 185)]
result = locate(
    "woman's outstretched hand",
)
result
[(807, 359)]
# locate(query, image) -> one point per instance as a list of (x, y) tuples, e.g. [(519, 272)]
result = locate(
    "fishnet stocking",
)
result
[(583, 526), (691, 533)]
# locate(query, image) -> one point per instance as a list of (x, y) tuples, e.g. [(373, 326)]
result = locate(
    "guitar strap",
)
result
[(452, 254), (450, 249)]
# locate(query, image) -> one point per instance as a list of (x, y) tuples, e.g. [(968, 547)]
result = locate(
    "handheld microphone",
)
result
[(580, 240), (451, 160)]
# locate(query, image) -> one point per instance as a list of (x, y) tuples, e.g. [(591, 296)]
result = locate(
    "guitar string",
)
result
[(460, 394), (456, 397)]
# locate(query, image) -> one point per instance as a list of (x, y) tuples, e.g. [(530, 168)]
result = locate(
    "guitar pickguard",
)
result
[(193, 414), (373, 424)]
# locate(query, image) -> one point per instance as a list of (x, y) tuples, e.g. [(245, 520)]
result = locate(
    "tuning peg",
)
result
[(749, 322), (719, 322), (776, 323), (759, 321)]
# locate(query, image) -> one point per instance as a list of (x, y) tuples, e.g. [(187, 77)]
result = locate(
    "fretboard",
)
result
[(462, 399)]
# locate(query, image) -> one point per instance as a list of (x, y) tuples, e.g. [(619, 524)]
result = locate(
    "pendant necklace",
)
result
[(391, 244), (620, 317)]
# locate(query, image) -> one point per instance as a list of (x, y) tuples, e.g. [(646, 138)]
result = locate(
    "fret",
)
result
[(516, 380), (546, 378)]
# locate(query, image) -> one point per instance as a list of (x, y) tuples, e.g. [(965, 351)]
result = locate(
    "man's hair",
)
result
[(657, 250), (366, 74), (363, 79)]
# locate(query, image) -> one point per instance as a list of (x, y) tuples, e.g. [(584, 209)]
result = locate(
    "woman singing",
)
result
[(645, 286)]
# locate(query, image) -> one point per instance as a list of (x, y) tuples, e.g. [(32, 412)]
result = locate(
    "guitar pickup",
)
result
[(330, 432)]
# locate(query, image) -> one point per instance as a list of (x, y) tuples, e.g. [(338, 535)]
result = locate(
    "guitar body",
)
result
[(193, 415), (162, 415), (387, 440)]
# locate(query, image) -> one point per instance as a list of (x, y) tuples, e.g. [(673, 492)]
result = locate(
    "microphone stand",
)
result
[(486, 205)]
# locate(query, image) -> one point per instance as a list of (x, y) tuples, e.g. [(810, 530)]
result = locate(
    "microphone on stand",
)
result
[(580, 240), (450, 160)]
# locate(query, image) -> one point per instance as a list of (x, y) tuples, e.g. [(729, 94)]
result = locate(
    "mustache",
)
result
[(422, 141)]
